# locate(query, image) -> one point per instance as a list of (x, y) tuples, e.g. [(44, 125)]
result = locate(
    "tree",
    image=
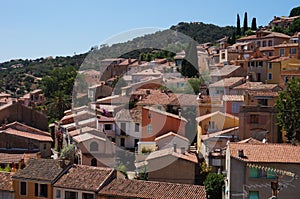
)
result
[(68, 153), (245, 26), (214, 184), (295, 26), (57, 105), (238, 26), (287, 105), (253, 24), (295, 11), (232, 39), (117, 84)]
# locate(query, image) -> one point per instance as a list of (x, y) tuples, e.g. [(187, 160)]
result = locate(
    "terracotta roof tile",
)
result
[(40, 170), (251, 141), (82, 177), (211, 135), (171, 134), (271, 153), (256, 86), (153, 190), (225, 70), (228, 82), (29, 135), (203, 117), (133, 115), (233, 98), (263, 93), (6, 183), (280, 59), (8, 158)]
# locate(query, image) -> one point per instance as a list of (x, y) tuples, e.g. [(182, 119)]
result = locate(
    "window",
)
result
[(285, 79), (87, 196), (136, 142), (71, 195), (94, 162), (253, 195), (223, 56), (23, 188), (258, 77), (281, 52), (107, 127), (150, 129), (57, 193), (270, 43), (211, 125), (45, 146), (263, 102), (137, 127), (270, 66), (293, 51), (235, 107), (270, 76), (258, 43), (94, 146), (259, 64), (264, 43), (254, 119), (41, 190), (271, 174), (122, 142), (254, 173), (123, 128)]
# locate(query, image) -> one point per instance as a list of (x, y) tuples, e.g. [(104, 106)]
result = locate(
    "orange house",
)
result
[(36, 179), (156, 122)]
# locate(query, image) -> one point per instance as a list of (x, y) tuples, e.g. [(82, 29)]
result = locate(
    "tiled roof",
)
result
[(126, 62), (86, 178), (171, 134), (233, 98), (87, 136), (191, 157), (280, 59), (40, 170), (267, 48), (203, 117), (164, 113), (132, 115), (255, 86), (6, 183), (286, 45), (184, 100), (152, 190), (211, 135), (81, 131), (251, 141), (29, 135), (263, 93), (271, 153), (227, 82), (225, 70), (8, 158)]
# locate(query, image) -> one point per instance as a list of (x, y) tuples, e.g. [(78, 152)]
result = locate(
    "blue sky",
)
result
[(34, 28)]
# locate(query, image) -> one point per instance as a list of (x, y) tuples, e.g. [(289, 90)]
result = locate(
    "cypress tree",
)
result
[(253, 24), (238, 25), (245, 23)]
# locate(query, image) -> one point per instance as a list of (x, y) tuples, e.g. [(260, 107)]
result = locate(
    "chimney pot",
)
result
[(241, 153)]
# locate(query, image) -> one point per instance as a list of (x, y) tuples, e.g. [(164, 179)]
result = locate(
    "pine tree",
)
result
[(190, 65), (238, 26), (253, 24), (245, 23)]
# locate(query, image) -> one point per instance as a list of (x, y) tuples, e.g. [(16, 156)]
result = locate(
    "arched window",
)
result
[(94, 162), (94, 146)]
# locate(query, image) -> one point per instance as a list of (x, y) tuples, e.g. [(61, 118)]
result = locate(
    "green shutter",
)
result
[(253, 195), (254, 173), (271, 174)]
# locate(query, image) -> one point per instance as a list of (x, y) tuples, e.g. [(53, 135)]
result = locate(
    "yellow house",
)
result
[(290, 68), (36, 179), (214, 122), (274, 70)]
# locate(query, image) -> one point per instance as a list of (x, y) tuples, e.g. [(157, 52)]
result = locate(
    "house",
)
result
[(213, 145), (94, 149), (274, 70), (5, 98), (232, 103), (224, 86), (17, 159), (283, 22), (285, 49), (254, 169), (214, 122), (289, 69), (16, 111), (20, 138), (37, 178), (82, 182), (90, 76), (157, 122), (98, 91), (226, 72), (6, 185), (172, 139), (258, 122), (122, 188), (255, 86), (137, 77), (166, 165), (33, 98), (264, 38), (129, 127), (109, 68)]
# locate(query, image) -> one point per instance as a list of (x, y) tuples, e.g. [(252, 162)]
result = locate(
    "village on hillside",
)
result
[(147, 131)]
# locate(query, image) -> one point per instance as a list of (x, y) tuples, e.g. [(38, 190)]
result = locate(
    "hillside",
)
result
[(20, 76)]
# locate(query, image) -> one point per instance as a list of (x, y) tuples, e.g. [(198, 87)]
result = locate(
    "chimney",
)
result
[(129, 61), (241, 153), (179, 113), (62, 163), (175, 147)]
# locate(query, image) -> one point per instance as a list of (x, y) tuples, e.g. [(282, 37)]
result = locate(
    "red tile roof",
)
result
[(268, 153), (6, 183), (233, 98), (8, 158), (211, 135), (86, 178), (152, 190), (203, 117), (228, 82), (30, 135), (171, 134)]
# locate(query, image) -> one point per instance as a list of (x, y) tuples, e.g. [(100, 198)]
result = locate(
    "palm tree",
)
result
[(58, 104)]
